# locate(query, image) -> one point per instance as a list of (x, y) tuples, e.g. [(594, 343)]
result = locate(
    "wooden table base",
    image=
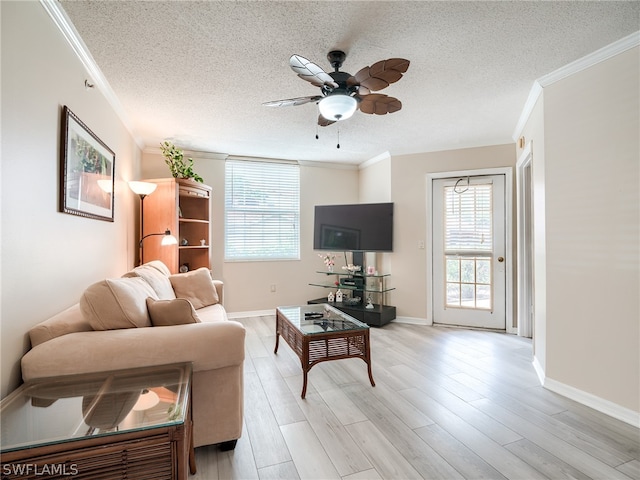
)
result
[(322, 347)]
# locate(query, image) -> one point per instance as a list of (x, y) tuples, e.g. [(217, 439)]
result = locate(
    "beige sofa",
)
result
[(114, 326)]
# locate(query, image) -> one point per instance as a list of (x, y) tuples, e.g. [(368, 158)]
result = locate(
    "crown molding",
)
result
[(321, 164), (378, 158), (592, 59), (189, 153), (527, 110), (69, 32), (605, 53)]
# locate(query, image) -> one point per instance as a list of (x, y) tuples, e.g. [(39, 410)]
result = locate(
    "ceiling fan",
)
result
[(342, 93)]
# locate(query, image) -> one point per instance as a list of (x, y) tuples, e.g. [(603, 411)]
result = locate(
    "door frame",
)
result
[(526, 271), (508, 241)]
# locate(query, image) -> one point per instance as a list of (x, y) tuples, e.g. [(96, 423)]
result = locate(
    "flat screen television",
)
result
[(362, 227)]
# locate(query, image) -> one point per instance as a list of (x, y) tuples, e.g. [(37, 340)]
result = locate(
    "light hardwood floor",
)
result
[(448, 404)]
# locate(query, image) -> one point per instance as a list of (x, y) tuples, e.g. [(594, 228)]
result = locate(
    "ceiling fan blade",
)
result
[(352, 82), (323, 122), (381, 74), (309, 71), (292, 102), (379, 104)]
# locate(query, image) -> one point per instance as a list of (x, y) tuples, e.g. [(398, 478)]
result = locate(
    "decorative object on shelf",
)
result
[(352, 301), (330, 297), (369, 303), (203, 242), (329, 260), (184, 268), (351, 268), (339, 296), (179, 168), (184, 242), (87, 169), (371, 270)]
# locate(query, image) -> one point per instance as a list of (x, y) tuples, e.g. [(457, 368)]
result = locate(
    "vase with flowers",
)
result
[(329, 260)]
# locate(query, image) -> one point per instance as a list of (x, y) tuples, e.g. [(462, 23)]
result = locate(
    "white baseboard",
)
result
[(255, 313), (588, 399), (539, 370), (411, 320)]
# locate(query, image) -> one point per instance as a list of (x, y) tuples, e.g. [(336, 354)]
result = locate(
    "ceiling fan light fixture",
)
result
[(337, 107)]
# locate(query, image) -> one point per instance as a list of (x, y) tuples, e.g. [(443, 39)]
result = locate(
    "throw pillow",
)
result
[(196, 286), (178, 311), (117, 303), (154, 277)]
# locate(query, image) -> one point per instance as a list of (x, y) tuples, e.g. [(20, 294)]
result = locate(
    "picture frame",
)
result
[(87, 171)]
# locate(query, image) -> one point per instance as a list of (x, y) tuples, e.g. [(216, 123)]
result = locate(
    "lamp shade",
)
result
[(337, 107), (142, 188), (168, 239)]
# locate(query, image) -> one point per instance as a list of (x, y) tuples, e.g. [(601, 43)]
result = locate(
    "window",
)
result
[(262, 210), (468, 246)]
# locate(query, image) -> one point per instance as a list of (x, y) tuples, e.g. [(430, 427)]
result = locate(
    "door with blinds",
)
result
[(468, 251)]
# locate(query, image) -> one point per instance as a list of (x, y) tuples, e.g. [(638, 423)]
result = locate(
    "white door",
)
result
[(469, 251)]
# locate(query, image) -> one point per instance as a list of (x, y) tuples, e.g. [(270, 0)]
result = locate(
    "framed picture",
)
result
[(87, 168)]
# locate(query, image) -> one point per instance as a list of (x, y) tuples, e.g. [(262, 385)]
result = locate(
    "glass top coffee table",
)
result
[(100, 425), (320, 332)]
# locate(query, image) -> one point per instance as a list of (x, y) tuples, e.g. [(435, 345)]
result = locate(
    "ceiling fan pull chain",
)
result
[(338, 138)]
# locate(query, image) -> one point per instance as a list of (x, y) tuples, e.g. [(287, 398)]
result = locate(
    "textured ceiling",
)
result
[(197, 72)]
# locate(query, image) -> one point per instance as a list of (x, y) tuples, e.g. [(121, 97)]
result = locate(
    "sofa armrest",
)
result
[(219, 285), (208, 346)]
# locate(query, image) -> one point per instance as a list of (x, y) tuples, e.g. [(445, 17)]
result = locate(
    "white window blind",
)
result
[(468, 220), (262, 210), (468, 245)]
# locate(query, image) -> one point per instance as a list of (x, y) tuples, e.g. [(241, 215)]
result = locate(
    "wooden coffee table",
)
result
[(318, 333)]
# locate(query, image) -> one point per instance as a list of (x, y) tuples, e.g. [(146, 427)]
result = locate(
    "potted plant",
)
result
[(179, 168)]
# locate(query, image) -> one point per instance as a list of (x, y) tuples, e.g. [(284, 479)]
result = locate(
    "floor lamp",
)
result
[(143, 189)]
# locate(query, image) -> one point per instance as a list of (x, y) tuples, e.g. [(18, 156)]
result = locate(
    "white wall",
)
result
[(375, 180), (592, 178), (408, 192), (375, 187), (248, 284), (48, 258)]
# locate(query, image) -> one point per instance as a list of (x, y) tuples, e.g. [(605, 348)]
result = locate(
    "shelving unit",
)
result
[(364, 286), (182, 206)]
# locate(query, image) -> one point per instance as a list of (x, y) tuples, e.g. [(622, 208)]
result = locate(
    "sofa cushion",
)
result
[(196, 286), (117, 303), (68, 321), (161, 267), (213, 314), (178, 311), (155, 277)]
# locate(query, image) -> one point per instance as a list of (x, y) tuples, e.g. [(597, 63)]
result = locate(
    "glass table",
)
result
[(133, 423), (320, 332)]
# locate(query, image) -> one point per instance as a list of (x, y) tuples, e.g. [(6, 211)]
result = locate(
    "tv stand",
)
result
[(377, 316), (360, 285)]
